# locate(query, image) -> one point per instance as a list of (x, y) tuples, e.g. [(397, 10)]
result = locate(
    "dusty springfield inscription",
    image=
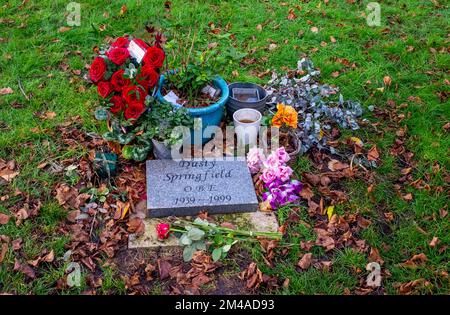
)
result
[(206, 170), (187, 187)]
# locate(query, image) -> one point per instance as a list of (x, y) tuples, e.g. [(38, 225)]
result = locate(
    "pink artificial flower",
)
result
[(284, 173), (268, 175), (282, 155), (255, 159)]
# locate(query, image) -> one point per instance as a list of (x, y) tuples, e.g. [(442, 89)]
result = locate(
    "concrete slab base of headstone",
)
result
[(253, 221)]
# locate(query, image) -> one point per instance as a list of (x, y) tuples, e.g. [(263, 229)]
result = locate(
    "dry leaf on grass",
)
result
[(163, 269), (63, 29), (434, 242), (409, 287), (291, 16), (305, 261), (335, 165), (136, 225), (25, 269), (4, 219), (415, 260), (8, 174), (373, 154), (3, 251), (17, 244), (407, 197), (374, 256), (6, 90), (387, 80), (273, 46), (325, 241)]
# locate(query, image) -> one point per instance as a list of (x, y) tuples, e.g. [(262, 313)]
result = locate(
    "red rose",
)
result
[(104, 88), (148, 77), (133, 94), (97, 69), (118, 81), (142, 81), (121, 42), (118, 104), (154, 57), (134, 110), (163, 230), (151, 74), (118, 55)]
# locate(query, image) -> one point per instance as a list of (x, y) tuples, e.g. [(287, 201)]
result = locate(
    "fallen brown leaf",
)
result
[(434, 242), (63, 29), (163, 269), (4, 219), (17, 244), (416, 260), (335, 165), (6, 90), (273, 46), (8, 174), (387, 80), (136, 225), (49, 257), (373, 154), (123, 10), (325, 241), (374, 256), (407, 197), (305, 261), (408, 288), (291, 15), (25, 269), (3, 252), (335, 74)]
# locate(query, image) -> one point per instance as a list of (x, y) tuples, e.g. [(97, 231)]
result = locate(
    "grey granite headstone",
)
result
[(186, 187)]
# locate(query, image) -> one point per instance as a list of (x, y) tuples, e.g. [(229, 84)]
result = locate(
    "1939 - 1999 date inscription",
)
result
[(209, 200)]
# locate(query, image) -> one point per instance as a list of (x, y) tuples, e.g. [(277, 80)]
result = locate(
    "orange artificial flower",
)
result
[(286, 115)]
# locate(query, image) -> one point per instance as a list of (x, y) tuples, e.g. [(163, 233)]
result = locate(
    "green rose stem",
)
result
[(222, 230)]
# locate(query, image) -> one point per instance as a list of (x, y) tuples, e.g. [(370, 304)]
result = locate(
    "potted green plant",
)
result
[(197, 87), (162, 126)]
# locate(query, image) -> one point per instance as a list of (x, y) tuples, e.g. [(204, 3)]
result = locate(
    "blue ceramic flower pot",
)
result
[(211, 115)]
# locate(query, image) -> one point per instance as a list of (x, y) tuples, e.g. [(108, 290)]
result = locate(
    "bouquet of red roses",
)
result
[(125, 73)]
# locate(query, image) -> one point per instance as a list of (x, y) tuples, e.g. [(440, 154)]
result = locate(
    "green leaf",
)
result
[(125, 138), (195, 234), (226, 248), (201, 222), (188, 252), (217, 253), (218, 239), (185, 240), (110, 136), (127, 152), (199, 245), (101, 113), (139, 153)]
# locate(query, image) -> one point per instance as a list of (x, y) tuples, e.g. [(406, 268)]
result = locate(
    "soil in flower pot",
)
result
[(203, 100)]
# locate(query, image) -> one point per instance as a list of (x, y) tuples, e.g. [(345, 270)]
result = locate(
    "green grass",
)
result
[(35, 53)]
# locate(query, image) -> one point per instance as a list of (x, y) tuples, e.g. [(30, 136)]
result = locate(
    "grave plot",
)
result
[(211, 156)]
